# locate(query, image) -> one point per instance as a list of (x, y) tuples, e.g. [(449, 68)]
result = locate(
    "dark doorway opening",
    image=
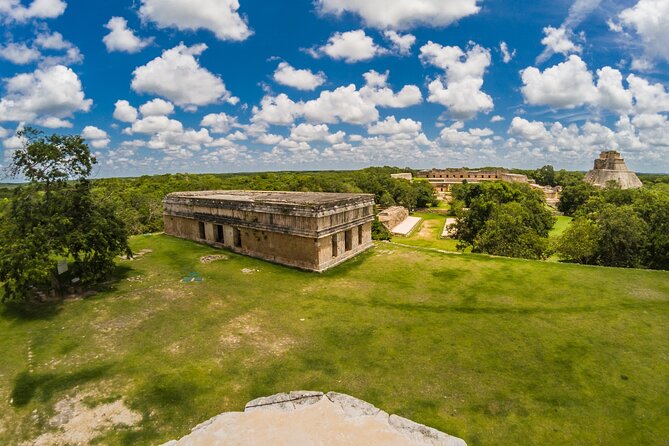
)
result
[(203, 234)]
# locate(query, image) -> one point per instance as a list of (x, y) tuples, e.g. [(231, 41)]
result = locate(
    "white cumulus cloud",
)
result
[(463, 78), (157, 107), (123, 39), (351, 47), (402, 14), (177, 75), (391, 126), (98, 138), (218, 16), (53, 91), (125, 112), (649, 20), (557, 41), (19, 53), (38, 9), (218, 122), (301, 79), (402, 43), (566, 85)]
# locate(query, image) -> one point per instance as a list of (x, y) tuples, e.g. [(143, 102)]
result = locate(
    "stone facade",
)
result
[(311, 231), (610, 166), (402, 176), (444, 179)]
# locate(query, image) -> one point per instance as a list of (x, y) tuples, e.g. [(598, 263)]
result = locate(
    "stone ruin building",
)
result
[(610, 166), (444, 179), (393, 216), (311, 231)]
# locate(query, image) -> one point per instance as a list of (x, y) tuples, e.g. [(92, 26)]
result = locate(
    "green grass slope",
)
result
[(496, 351)]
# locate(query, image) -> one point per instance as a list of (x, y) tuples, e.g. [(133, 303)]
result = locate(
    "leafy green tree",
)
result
[(545, 176), (508, 233), (575, 196), (579, 242), (652, 205), (623, 236), (425, 194), (54, 219), (380, 232)]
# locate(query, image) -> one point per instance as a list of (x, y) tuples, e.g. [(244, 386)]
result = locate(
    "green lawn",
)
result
[(496, 351), (428, 234), (561, 225)]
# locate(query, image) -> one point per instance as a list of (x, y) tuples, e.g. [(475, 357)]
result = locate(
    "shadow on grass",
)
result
[(42, 386), (490, 309), (35, 310), (30, 311)]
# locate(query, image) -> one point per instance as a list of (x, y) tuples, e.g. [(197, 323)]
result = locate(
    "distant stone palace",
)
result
[(311, 231), (444, 179), (610, 166)]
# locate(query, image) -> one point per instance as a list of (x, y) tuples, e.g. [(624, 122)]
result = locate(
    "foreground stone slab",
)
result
[(313, 418)]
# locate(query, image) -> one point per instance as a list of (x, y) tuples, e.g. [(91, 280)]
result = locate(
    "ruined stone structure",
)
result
[(444, 179), (311, 231), (610, 166), (402, 176), (393, 216)]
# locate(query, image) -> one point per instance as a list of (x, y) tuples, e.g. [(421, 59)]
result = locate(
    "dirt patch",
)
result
[(77, 423), (213, 258), (427, 229), (250, 270), (248, 330)]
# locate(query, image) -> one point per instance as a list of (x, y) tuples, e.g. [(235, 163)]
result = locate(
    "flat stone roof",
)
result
[(299, 199)]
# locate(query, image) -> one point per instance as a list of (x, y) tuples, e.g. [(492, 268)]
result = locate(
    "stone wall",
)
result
[(299, 235), (393, 216)]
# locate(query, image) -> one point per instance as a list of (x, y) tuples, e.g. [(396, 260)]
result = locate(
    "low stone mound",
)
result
[(313, 418)]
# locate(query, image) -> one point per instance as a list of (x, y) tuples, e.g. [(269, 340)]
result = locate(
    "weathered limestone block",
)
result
[(312, 418)]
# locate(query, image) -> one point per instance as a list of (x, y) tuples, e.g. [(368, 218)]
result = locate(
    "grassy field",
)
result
[(561, 225), (496, 351), (428, 234)]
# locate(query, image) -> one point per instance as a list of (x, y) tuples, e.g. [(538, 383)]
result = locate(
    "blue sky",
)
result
[(224, 85)]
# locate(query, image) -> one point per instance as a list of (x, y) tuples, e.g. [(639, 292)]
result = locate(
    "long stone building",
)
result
[(311, 231), (444, 179), (610, 166)]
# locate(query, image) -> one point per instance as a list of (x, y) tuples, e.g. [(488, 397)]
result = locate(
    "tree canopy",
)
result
[(501, 218), (56, 234)]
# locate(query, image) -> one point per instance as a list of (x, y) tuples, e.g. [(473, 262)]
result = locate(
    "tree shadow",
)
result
[(31, 311), (36, 310), (28, 386)]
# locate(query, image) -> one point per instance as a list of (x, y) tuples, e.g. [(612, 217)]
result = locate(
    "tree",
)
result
[(623, 236), (508, 233), (56, 220), (573, 197), (579, 241), (380, 232), (502, 218), (545, 176)]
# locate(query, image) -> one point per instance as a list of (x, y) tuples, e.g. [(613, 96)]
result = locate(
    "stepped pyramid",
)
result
[(611, 167)]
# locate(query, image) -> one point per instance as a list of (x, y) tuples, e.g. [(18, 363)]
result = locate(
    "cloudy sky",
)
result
[(247, 85)]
